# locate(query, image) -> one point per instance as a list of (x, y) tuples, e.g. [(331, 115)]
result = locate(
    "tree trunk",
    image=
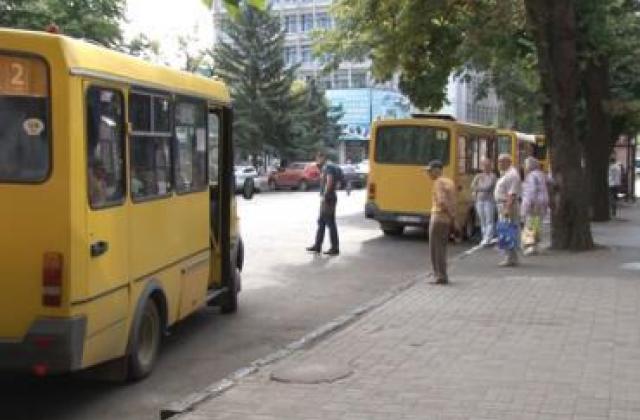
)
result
[(553, 23), (597, 142)]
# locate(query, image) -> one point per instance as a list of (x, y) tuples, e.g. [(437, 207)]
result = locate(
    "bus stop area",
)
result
[(556, 338)]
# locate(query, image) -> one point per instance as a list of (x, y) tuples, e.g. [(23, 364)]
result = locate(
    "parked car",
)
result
[(245, 180), (297, 175), (362, 169), (352, 176)]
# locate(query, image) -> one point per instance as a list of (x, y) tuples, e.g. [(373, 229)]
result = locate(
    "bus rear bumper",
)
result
[(372, 211), (52, 345)]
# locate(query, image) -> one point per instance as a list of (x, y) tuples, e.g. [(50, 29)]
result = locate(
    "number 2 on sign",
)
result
[(17, 75)]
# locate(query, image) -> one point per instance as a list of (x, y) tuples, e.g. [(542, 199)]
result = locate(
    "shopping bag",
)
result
[(531, 231), (508, 235)]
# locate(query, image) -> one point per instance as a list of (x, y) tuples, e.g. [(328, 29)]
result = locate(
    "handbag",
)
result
[(508, 235), (531, 231)]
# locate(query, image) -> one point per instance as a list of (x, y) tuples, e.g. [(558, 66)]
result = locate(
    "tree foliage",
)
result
[(270, 114), (96, 20)]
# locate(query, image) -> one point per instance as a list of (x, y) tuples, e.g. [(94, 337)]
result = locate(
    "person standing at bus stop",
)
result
[(443, 211), (482, 187), (327, 218), (507, 194)]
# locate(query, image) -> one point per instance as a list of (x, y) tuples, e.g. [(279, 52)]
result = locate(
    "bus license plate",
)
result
[(409, 219)]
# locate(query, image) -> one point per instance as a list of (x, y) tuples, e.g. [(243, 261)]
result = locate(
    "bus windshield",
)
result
[(411, 145), (24, 125)]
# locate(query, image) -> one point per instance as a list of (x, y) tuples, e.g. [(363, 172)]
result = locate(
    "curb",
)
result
[(190, 402)]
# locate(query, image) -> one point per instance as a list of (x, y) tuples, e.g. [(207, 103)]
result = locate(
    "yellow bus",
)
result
[(522, 145), (117, 212), (399, 192)]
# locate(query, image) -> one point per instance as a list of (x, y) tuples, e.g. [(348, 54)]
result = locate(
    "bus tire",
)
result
[(240, 256), (470, 229), (392, 230), (229, 301), (248, 189), (145, 346)]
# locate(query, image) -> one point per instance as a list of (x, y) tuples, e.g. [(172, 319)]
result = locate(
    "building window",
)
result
[(358, 80), (291, 24), (105, 147), (190, 145), (323, 21), (325, 82), (342, 80), (307, 55), (290, 55), (307, 22), (150, 143)]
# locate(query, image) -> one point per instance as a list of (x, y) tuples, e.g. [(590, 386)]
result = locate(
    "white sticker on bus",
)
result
[(33, 126)]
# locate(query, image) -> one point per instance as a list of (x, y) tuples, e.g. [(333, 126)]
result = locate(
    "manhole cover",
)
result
[(634, 266), (311, 373)]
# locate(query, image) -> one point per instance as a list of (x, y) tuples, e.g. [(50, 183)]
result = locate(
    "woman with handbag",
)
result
[(535, 201)]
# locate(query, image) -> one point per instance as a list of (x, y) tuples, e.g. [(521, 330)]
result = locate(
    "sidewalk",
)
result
[(557, 338)]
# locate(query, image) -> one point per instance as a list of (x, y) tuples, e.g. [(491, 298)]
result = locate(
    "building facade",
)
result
[(299, 18)]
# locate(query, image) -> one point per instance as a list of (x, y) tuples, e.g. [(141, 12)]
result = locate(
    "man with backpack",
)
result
[(331, 177)]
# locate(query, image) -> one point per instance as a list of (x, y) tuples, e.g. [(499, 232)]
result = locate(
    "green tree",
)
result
[(143, 47), (250, 59), (315, 126), (97, 20)]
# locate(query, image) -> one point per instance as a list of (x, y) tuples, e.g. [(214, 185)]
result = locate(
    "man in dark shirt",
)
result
[(327, 206)]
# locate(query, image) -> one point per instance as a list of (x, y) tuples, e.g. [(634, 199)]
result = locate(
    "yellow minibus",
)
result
[(117, 212), (399, 192), (522, 145)]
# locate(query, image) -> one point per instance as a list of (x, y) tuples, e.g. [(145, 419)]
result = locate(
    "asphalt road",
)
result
[(286, 294)]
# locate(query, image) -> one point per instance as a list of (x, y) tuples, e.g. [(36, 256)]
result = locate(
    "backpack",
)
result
[(340, 182)]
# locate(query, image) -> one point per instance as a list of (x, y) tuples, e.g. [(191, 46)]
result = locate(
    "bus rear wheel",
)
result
[(146, 342), (470, 229), (392, 230), (229, 302)]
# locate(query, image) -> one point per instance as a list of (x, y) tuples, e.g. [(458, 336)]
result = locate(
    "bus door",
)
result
[(107, 226), (220, 158), (468, 155)]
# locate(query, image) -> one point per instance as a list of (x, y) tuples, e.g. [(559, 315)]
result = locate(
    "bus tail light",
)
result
[(52, 279), (372, 191)]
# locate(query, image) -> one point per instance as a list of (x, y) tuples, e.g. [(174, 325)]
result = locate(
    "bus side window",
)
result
[(463, 155), (474, 165), (190, 145), (105, 147), (150, 140), (213, 139)]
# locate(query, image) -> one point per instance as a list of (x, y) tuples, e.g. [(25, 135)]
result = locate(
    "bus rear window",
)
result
[(24, 119), (411, 145)]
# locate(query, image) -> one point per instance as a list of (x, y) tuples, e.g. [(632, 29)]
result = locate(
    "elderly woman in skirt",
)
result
[(535, 201)]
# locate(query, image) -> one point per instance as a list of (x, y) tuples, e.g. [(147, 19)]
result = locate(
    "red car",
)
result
[(298, 175)]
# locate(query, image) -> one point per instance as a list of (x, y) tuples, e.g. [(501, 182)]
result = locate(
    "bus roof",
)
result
[(88, 59), (523, 137), (435, 122)]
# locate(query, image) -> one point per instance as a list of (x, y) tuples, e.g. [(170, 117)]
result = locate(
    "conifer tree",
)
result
[(250, 59)]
